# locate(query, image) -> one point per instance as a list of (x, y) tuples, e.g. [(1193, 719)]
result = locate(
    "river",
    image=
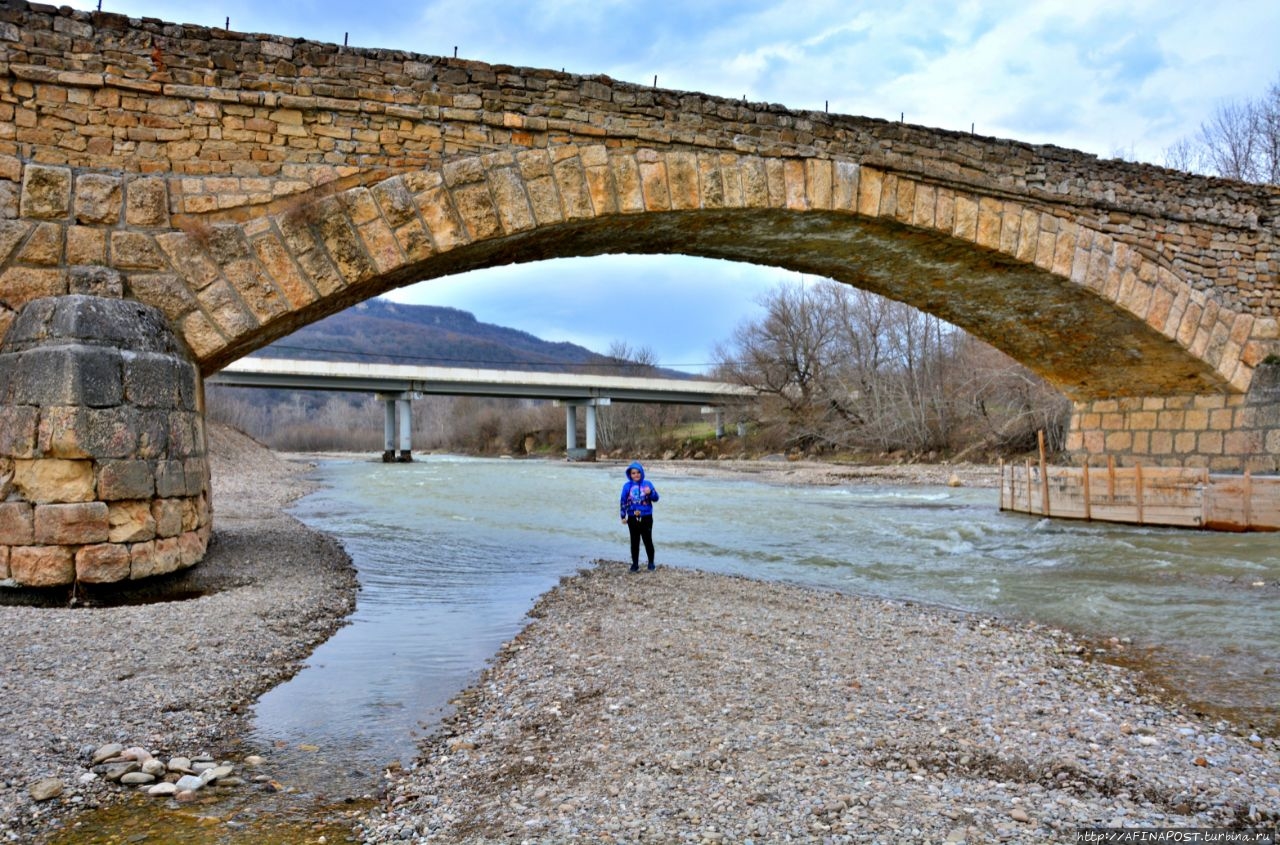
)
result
[(452, 552)]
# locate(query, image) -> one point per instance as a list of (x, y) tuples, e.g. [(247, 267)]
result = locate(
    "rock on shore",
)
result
[(177, 676), (680, 706)]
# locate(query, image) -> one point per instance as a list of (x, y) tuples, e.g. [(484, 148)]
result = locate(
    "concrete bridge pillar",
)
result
[(571, 427), (397, 427), (104, 473)]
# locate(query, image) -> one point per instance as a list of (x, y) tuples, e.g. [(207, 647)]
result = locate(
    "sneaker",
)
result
[(635, 567), (651, 567)]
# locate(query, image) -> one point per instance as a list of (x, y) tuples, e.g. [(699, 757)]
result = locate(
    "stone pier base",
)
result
[(1224, 433), (104, 475)]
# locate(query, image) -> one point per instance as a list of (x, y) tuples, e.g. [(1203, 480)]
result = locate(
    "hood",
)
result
[(634, 465)]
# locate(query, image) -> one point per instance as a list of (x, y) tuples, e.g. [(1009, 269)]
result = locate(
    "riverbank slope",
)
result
[(175, 677), (681, 706)]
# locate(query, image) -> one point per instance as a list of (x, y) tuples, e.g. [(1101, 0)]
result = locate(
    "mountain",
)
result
[(381, 331)]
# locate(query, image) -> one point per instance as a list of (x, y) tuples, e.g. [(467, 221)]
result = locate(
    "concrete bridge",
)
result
[(173, 197), (398, 385)]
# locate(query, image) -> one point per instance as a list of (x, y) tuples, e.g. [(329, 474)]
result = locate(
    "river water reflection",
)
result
[(452, 552)]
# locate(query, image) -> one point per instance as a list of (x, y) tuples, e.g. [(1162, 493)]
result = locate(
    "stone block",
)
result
[(42, 566), (196, 471), (152, 381), (171, 479), (59, 433), (46, 192), (19, 428), (142, 560), (54, 480), (17, 524), (69, 375), (125, 479), (44, 247), (168, 516), (98, 198), (130, 522), (191, 548), (190, 514), (4, 562), (95, 281), (168, 556), (71, 524), (102, 563), (146, 202)]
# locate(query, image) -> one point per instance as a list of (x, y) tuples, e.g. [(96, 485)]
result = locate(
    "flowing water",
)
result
[(452, 552)]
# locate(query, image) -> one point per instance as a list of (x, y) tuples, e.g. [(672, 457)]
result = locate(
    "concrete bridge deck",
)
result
[(397, 385)]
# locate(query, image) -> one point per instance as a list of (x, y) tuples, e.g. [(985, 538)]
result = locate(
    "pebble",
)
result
[(68, 706), (694, 707), (46, 789)]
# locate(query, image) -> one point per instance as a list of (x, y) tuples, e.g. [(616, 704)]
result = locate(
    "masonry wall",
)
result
[(1229, 433), (236, 121)]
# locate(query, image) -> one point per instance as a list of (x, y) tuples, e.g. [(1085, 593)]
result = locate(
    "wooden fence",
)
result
[(1191, 498)]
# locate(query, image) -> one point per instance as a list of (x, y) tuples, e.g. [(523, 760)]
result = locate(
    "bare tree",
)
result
[(841, 368), (1240, 140)]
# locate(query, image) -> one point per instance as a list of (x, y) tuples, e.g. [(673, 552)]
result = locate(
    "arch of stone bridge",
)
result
[(1089, 313)]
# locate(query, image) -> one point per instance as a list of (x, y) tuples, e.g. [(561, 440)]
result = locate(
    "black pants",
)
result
[(641, 528)]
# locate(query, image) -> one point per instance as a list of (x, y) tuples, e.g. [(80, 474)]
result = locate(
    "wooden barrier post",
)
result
[(1002, 484), (1248, 496), (1044, 476), (1111, 479), (1137, 483), (1088, 508)]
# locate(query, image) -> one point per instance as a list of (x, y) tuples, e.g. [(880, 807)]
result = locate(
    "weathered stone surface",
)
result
[(102, 563), (42, 566), (46, 192), (142, 560), (95, 281), (71, 524), (98, 198), (146, 202), (130, 522), (69, 375), (125, 479), (168, 555), (168, 516), (54, 480), (17, 524)]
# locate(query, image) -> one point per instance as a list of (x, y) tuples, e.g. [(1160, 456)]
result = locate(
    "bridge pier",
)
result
[(104, 473), (571, 427), (1223, 433), (397, 427)]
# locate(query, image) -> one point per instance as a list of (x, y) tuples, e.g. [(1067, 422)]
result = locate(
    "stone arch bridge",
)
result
[(173, 197)]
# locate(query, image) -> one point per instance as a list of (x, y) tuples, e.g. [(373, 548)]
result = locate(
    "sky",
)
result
[(1110, 78)]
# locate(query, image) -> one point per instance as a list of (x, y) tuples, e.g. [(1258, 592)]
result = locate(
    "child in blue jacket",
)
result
[(636, 507)]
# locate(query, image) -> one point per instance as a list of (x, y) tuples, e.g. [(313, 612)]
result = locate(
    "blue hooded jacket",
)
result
[(637, 496)]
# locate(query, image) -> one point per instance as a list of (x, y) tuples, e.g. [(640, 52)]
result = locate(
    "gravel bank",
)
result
[(681, 706), (175, 677)]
